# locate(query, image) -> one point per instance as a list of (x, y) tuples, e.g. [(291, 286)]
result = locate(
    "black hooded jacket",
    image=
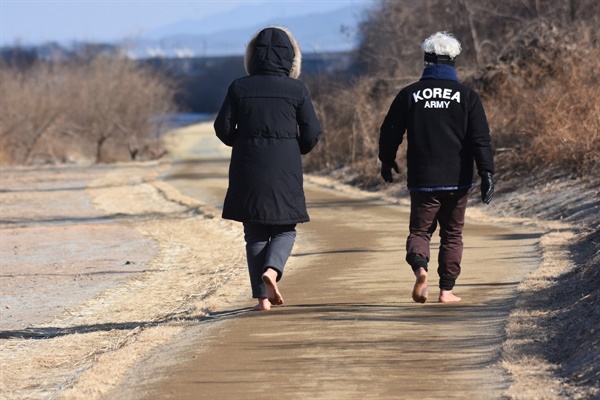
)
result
[(447, 131), (269, 120)]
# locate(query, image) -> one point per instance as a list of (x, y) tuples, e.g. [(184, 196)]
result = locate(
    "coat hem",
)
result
[(264, 222)]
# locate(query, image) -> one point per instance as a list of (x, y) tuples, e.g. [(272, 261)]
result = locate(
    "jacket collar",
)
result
[(440, 72)]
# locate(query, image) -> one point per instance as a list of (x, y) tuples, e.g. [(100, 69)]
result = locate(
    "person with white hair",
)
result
[(447, 132)]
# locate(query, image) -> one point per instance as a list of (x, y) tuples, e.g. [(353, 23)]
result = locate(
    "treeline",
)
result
[(202, 82), (102, 108), (90, 103), (533, 62)]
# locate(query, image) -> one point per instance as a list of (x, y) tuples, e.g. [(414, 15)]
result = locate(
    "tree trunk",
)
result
[(473, 31), (99, 144)]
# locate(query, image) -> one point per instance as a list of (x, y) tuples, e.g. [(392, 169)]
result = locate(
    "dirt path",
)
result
[(349, 329)]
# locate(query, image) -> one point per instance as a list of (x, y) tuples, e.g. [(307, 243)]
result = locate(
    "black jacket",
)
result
[(269, 120), (446, 129)]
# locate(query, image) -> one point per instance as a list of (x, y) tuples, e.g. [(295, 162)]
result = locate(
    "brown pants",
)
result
[(426, 210)]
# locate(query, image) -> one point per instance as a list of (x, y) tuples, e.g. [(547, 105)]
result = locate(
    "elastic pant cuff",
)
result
[(447, 283), (419, 262)]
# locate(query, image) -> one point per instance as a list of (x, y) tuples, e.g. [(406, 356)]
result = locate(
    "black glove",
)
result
[(386, 171), (487, 186)]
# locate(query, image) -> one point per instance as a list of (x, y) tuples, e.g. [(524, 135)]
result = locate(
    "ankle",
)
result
[(263, 303), (446, 296), (420, 272), (271, 272)]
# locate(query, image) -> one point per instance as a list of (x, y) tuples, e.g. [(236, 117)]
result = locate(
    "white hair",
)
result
[(442, 44)]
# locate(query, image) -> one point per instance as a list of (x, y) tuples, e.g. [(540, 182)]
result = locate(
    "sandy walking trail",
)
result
[(349, 328)]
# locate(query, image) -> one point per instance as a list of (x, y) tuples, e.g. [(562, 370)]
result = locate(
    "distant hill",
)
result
[(332, 31)]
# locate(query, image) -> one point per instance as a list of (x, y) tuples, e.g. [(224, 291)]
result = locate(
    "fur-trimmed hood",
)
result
[(273, 50)]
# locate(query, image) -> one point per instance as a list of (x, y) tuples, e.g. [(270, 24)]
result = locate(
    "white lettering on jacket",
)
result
[(436, 93), (436, 104)]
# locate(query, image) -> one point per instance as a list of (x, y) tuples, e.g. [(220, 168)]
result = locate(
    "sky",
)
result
[(30, 22)]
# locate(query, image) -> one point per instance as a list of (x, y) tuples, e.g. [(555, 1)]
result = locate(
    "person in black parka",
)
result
[(447, 132), (269, 120)]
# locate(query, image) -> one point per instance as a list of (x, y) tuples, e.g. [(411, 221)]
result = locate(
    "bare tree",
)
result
[(28, 111), (106, 108)]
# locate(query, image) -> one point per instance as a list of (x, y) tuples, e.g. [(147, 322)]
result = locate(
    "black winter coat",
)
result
[(269, 120), (446, 127)]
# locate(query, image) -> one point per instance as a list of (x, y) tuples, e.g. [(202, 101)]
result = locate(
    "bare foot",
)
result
[(446, 296), (420, 293), (263, 305), (270, 280)]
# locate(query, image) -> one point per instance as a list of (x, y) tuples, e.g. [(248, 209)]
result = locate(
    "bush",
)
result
[(99, 110), (541, 99), (565, 121)]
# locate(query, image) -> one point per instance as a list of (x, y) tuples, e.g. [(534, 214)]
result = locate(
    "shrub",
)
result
[(98, 110), (541, 99)]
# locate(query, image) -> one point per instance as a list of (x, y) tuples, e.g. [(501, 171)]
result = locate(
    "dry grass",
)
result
[(552, 335), (534, 328), (197, 270), (566, 117), (543, 110)]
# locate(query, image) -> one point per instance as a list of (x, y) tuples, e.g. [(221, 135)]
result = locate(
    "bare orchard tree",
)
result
[(29, 109), (115, 106), (103, 109)]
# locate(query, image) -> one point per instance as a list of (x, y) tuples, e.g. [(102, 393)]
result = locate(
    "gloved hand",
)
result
[(487, 186), (386, 171)]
